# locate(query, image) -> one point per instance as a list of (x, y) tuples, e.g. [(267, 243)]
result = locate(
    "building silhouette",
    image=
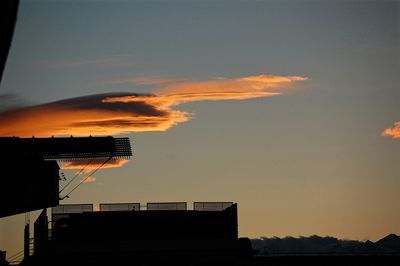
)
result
[(30, 172), (125, 234)]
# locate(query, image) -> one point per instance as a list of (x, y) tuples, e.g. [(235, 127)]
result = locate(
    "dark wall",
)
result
[(135, 225), (28, 185)]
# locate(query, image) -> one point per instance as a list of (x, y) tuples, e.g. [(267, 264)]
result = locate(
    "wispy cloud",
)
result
[(393, 132), (88, 179), (9, 101), (119, 113), (110, 61), (145, 81)]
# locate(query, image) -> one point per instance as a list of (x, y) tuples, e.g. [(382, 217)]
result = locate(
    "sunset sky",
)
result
[(289, 108)]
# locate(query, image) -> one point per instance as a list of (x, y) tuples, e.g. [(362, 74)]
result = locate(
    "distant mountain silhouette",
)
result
[(317, 245)]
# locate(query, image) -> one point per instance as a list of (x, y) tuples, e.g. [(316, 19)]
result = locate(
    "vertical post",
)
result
[(26, 241), (41, 232)]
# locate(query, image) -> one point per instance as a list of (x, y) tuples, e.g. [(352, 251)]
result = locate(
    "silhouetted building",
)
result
[(122, 234), (29, 176)]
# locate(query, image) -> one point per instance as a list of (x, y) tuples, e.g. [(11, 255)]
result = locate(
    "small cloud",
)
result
[(393, 132), (88, 179), (87, 165)]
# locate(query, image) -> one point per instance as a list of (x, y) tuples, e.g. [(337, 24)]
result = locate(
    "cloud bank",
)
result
[(393, 132), (121, 113)]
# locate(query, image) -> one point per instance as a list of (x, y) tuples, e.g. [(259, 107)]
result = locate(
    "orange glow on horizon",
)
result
[(121, 113)]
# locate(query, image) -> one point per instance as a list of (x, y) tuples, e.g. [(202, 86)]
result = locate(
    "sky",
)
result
[(289, 108)]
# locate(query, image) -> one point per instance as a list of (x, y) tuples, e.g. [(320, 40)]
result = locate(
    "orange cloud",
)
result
[(88, 179), (239, 85), (393, 132), (119, 113), (89, 165), (89, 115)]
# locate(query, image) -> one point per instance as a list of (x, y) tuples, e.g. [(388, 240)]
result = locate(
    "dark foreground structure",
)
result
[(123, 234), (128, 233), (158, 234), (29, 176)]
